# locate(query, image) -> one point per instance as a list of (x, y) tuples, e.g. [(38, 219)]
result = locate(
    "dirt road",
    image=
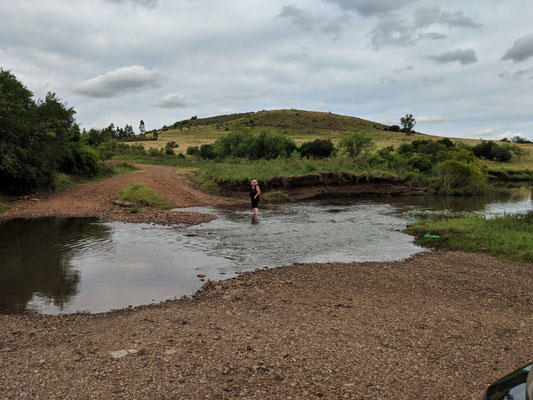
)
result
[(94, 199)]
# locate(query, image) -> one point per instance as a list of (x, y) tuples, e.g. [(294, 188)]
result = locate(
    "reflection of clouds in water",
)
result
[(101, 266)]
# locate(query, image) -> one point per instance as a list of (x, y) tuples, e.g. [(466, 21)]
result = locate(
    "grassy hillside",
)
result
[(303, 126), (300, 125)]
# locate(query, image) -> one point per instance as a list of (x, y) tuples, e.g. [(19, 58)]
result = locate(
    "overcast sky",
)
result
[(464, 69)]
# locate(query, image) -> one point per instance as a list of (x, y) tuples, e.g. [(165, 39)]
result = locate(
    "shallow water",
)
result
[(63, 265)]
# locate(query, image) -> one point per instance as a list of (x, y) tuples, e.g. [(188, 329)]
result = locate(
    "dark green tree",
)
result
[(142, 129), (408, 123)]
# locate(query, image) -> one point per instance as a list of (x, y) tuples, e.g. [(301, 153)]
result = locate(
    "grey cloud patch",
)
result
[(120, 81), (299, 17), (308, 22), (519, 75), (391, 30), (426, 16), (433, 36), (522, 49), (464, 56), (144, 3), (371, 7), (399, 70), (396, 72), (174, 100)]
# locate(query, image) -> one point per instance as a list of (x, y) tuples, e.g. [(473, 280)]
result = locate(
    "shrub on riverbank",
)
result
[(508, 237)]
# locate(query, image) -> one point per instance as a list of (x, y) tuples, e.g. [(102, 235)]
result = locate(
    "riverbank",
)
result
[(438, 325), (97, 200), (508, 237)]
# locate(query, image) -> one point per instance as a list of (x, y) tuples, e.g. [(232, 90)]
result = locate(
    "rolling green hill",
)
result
[(302, 126)]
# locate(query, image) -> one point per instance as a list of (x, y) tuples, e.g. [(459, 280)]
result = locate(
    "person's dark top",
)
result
[(255, 200)]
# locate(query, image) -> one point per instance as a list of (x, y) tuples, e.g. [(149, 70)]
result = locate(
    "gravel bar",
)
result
[(440, 325)]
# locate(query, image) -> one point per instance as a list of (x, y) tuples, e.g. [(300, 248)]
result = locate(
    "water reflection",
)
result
[(55, 265), (36, 259)]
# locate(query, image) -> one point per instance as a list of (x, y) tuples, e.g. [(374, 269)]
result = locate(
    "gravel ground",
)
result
[(95, 199), (436, 326)]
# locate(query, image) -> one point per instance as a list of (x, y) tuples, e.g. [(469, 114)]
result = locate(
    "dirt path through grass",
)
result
[(94, 199)]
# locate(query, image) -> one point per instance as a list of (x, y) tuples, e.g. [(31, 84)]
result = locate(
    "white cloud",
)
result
[(431, 118), (120, 81), (510, 135), (486, 131), (174, 100)]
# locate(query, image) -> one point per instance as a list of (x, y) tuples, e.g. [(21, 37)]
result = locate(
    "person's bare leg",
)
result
[(255, 211)]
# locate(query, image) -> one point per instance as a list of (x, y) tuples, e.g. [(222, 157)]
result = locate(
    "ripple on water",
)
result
[(61, 265)]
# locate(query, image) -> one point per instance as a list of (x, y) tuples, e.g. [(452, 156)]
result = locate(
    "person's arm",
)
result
[(258, 191)]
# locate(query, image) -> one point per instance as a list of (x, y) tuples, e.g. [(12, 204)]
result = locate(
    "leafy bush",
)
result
[(38, 138), (355, 144), (242, 142), (193, 151), (169, 148), (86, 159), (459, 177), (490, 150), (394, 128), (207, 152), (318, 148)]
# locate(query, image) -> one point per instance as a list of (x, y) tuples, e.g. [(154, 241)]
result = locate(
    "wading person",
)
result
[(255, 192)]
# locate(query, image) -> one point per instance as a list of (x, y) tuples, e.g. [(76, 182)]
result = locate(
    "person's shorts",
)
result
[(255, 202)]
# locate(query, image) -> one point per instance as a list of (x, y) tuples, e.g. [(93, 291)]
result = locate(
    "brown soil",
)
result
[(437, 326), (329, 185), (94, 199)]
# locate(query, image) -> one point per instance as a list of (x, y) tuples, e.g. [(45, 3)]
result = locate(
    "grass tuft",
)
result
[(142, 195), (275, 197)]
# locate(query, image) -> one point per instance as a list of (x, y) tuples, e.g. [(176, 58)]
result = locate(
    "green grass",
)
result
[(509, 237), (275, 197), (142, 195), (4, 207), (303, 126), (265, 170)]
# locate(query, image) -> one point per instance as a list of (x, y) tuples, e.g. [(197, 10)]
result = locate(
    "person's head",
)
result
[(254, 182)]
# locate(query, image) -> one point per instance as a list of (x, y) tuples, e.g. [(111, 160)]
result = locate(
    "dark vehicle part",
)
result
[(518, 385)]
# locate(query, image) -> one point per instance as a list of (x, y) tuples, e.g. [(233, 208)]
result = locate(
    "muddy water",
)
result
[(63, 265)]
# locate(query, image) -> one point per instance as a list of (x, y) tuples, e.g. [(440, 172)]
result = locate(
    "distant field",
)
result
[(304, 126)]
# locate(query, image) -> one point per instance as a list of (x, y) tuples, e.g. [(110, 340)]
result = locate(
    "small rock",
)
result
[(119, 353), (200, 275), (34, 199), (207, 284), (170, 352)]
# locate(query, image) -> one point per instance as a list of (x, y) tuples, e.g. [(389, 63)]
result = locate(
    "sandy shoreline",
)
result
[(438, 325)]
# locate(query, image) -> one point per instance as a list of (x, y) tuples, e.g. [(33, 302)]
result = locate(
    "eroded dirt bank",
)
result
[(437, 326), (328, 185), (94, 199)]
